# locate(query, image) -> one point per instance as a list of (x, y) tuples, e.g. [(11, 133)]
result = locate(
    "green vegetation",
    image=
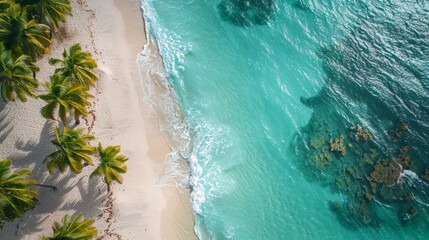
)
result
[(72, 150), (22, 37), (77, 66), (74, 229), (25, 35), (49, 12), (111, 165), (16, 196), (67, 99), (16, 76)]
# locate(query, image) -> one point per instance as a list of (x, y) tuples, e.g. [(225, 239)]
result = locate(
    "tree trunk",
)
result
[(77, 119), (108, 188), (46, 186)]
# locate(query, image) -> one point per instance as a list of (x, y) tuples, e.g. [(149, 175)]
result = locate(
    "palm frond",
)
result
[(15, 195), (72, 150), (76, 228), (77, 65), (70, 100), (16, 76), (111, 165)]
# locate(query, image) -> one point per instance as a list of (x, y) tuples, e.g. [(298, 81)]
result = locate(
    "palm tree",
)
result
[(72, 149), (15, 195), (23, 37), (76, 229), (16, 77), (49, 12), (68, 99), (111, 165), (4, 6), (77, 65)]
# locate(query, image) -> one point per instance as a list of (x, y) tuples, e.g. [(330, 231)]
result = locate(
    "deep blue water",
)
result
[(267, 88)]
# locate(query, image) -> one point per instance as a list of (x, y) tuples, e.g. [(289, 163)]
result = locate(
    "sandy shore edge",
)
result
[(113, 31)]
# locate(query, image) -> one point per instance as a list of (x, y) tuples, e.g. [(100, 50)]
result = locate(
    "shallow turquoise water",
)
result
[(257, 86)]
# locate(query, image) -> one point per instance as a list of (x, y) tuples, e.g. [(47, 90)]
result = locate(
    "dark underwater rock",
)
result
[(244, 13)]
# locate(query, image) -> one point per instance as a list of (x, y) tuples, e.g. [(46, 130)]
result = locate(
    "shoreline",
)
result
[(114, 32), (173, 175)]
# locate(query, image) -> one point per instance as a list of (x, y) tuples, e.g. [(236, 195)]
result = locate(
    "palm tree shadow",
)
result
[(30, 155), (61, 34), (35, 152), (49, 202), (75, 193), (90, 199), (5, 127)]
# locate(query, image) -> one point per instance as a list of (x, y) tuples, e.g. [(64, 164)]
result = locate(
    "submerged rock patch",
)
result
[(244, 13)]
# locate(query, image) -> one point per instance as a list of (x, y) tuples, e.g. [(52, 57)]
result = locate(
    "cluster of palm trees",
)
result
[(25, 34)]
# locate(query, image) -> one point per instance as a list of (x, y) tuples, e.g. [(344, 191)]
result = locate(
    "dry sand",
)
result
[(113, 31)]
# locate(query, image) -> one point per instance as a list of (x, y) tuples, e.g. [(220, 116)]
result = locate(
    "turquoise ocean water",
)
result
[(308, 118)]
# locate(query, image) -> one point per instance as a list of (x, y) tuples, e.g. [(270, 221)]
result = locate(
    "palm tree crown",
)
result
[(49, 12), (4, 5), (111, 165), (72, 149), (76, 229), (68, 99), (16, 77), (77, 65), (15, 195), (22, 37)]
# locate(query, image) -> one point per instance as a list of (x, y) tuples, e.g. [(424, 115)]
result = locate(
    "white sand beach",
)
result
[(113, 31)]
